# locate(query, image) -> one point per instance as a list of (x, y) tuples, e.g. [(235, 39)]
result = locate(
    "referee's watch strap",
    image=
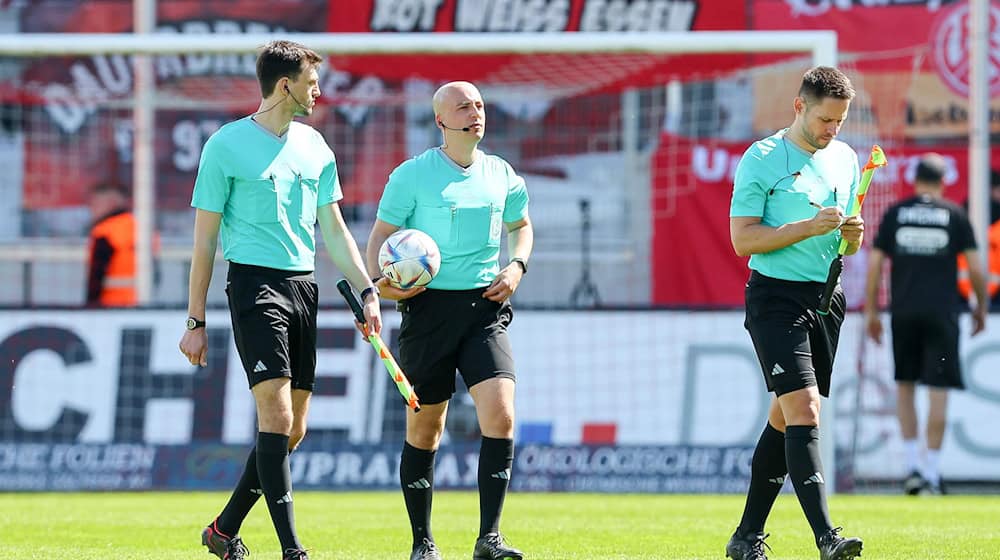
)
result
[(522, 263), (370, 290)]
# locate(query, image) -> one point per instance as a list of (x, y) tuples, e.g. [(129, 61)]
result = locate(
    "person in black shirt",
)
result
[(922, 235)]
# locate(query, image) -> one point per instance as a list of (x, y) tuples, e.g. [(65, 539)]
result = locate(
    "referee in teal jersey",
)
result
[(263, 182), (464, 199), (790, 195)]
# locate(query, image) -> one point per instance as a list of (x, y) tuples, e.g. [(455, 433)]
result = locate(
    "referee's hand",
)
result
[(505, 284), (826, 220), (388, 291), (194, 346)]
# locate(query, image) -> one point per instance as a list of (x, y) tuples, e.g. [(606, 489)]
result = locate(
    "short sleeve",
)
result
[(211, 187), (516, 207), (329, 180), (885, 238), (748, 195), (397, 201)]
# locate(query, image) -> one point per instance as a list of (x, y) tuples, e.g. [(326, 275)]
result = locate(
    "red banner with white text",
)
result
[(693, 263), (578, 73)]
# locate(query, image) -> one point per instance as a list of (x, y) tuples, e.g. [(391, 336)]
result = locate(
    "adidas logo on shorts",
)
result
[(259, 367), (777, 369)]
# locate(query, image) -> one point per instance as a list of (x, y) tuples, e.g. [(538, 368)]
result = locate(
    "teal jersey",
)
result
[(267, 189), (776, 181), (463, 210)]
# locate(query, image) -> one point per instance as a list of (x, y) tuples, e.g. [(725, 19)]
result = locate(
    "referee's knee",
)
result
[(295, 437)]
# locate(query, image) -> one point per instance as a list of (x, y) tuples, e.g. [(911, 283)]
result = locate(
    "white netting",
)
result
[(586, 129)]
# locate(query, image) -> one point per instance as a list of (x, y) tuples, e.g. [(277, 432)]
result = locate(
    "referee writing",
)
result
[(789, 198), (463, 198)]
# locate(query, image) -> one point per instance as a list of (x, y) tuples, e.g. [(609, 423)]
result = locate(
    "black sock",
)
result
[(806, 470), (276, 481), (496, 456), (244, 496), (416, 477), (767, 475)]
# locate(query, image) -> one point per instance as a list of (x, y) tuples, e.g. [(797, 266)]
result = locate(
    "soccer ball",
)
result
[(409, 258)]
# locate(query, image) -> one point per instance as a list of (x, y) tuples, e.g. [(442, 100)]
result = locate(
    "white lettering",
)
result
[(638, 15), (348, 469), (189, 137), (503, 16), (103, 77), (379, 471), (710, 165), (63, 108), (470, 15), (404, 15), (819, 7), (114, 73), (511, 15), (88, 89), (227, 64), (197, 63), (318, 467)]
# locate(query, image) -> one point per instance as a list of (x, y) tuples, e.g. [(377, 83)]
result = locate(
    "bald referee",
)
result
[(264, 181), (790, 195), (464, 199)]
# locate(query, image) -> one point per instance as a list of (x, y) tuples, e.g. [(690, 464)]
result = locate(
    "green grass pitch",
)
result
[(372, 526)]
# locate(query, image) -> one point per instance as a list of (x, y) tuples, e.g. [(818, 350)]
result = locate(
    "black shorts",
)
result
[(925, 348), (274, 322), (795, 345), (445, 330)]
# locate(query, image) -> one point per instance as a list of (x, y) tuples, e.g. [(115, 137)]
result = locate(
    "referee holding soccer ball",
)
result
[(462, 198)]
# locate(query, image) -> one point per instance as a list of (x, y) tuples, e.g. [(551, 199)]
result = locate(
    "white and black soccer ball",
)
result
[(409, 258)]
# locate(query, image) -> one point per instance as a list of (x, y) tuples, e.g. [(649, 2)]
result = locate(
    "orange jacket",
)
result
[(992, 275), (112, 280)]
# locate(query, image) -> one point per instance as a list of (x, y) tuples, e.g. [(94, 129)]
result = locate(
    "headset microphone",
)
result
[(466, 129), (289, 92)]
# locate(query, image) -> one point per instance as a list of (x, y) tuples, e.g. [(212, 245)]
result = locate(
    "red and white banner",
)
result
[(693, 262), (911, 58)]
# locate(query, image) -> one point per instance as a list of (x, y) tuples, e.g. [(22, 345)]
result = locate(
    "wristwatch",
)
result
[(370, 290), (193, 323), (522, 262)]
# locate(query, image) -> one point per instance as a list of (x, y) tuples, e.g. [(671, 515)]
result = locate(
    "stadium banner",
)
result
[(78, 95), (474, 16), (692, 186), (345, 466), (916, 77), (107, 392)]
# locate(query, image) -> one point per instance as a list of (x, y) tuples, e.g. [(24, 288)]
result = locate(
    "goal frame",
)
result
[(820, 45)]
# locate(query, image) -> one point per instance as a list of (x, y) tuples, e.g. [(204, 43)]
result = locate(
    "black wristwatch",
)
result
[(522, 262), (193, 323), (369, 290)]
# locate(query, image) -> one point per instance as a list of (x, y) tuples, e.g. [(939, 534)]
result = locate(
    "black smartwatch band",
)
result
[(367, 291), (522, 262)]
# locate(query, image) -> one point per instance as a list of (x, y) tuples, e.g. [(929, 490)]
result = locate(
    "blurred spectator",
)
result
[(993, 249), (111, 278)]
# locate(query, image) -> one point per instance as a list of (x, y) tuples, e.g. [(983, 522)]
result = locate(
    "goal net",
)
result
[(627, 143)]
